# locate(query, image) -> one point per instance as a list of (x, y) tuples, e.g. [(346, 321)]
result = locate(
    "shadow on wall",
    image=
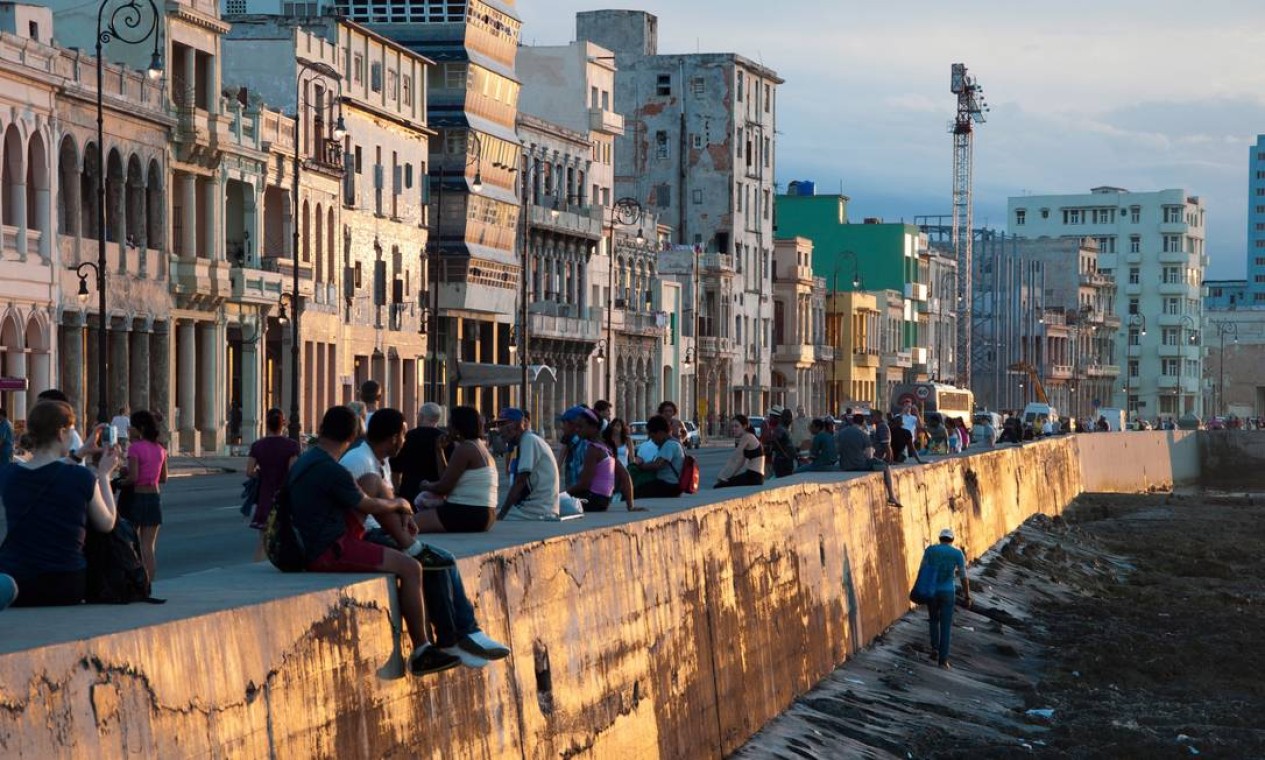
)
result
[(1232, 459)]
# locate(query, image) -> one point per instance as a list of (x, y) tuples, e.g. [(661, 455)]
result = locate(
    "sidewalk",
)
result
[(187, 465)]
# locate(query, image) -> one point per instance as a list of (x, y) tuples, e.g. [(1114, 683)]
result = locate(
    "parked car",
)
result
[(757, 426), (637, 433), (692, 439)]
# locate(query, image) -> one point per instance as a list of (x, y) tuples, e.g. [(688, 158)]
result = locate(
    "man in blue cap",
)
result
[(573, 446), (533, 470)]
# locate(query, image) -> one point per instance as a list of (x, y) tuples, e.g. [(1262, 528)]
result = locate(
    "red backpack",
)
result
[(689, 475)]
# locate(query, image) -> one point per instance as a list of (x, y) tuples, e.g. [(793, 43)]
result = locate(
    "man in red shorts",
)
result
[(329, 512)]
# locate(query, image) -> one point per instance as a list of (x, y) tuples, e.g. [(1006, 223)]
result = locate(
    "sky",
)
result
[(1140, 94)]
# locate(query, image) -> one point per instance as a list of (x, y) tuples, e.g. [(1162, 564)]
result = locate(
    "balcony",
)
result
[(716, 262), (1174, 228), (794, 353), (1133, 288), (563, 327), (602, 120), (865, 359), (651, 324), (1103, 370), (1178, 351), (581, 221), (916, 291), (285, 267), (257, 286), (1061, 371), (200, 283), (717, 347), (1096, 280), (1174, 257), (823, 352), (901, 359), (1178, 289), (793, 274), (1133, 257)]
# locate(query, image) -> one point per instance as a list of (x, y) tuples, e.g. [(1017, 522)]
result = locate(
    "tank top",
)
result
[(149, 462), (603, 482), (476, 488)]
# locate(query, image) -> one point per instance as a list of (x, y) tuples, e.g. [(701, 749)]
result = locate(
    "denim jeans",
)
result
[(447, 606), (941, 622)]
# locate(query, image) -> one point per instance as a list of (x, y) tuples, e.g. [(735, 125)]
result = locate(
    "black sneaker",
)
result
[(428, 659)]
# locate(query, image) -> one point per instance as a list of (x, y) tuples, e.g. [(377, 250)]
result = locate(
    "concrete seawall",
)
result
[(677, 634)]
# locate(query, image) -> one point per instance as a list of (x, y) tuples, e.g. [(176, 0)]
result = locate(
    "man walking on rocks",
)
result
[(948, 561)]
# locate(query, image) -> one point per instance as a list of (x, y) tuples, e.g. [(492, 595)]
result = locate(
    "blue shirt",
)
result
[(322, 494), (946, 558), (675, 455), (46, 511)]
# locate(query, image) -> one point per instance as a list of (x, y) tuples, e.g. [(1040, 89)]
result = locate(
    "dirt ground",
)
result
[(1127, 629)]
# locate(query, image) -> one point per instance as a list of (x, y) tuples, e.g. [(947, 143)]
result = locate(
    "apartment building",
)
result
[(1152, 244), (1255, 295), (698, 150), (801, 354)]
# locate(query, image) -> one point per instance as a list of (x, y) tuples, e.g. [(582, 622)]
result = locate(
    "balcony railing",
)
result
[(916, 291), (1103, 370), (823, 352), (1061, 371), (713, 346), (716, 262), (602, 120), (797, 353)]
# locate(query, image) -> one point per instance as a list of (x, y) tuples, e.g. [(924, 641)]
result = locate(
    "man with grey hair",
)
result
[(422, 457)]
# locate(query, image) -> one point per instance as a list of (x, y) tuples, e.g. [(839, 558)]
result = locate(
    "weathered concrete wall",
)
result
[(676, 636), (1232, 458), (1132, 461)]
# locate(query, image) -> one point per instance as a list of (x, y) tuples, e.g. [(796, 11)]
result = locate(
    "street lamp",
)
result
[(1223, 328), (434, 242), (1189, 322), (125, 23), (1139, 321), (309, 71), (950, 278), (626, 211)]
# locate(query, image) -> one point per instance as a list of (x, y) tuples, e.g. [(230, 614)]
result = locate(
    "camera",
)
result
[(111, 435)]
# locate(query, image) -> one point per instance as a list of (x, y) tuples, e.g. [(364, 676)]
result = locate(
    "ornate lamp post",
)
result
[(627, 211), (309, 71), (132, 24)]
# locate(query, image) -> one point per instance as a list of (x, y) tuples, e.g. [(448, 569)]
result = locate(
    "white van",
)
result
[(1035, 415), (980, 419)]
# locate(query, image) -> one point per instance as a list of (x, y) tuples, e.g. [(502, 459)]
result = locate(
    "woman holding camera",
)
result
[(146, 469)]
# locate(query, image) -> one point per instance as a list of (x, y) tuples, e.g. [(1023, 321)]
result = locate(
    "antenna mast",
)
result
[(970, 111)]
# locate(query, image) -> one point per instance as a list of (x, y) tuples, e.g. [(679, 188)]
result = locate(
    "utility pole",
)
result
[(970, 111)]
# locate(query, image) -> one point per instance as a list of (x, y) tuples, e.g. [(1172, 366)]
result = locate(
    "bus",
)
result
[(935, 398)]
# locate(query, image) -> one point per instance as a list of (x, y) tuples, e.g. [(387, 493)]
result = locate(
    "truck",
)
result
[(1115, 418)]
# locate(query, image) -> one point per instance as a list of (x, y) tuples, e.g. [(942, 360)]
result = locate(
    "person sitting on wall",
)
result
[(745, 466), (665, 460), (822, 454), (856, 454), (469, 483), (329, 511)]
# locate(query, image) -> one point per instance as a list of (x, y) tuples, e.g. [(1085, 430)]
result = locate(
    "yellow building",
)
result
[(853, 330)]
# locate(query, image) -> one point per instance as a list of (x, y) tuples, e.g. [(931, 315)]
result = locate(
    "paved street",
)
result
[(202, 528)]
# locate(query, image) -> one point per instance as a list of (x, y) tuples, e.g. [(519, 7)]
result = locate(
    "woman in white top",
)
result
[(745, 467), (469, 482)]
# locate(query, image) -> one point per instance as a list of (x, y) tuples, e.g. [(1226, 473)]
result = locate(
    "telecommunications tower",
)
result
[(971, 110)]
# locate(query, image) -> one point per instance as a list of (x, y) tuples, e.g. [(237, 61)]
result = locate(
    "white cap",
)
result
[(947, 533)]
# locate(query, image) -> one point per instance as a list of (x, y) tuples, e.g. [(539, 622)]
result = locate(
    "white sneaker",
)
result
[(479, 644), (468, 659)]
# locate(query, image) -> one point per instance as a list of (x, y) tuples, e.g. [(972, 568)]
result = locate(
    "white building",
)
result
[(1153, 245)]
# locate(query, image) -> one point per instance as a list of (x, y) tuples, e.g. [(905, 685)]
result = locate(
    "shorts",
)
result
[(595, 503), (52, 589), (142, 509), (350, 554), (459, 518)]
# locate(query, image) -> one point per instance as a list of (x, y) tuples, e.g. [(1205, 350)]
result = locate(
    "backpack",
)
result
[(116, 574), (689, 475), (282, 542)]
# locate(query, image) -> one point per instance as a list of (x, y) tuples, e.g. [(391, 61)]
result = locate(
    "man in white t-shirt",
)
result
[(121, 424), (533, 467), (909, 419)]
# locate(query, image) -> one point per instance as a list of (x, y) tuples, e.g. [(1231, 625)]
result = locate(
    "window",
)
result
[(767, 152), (454, 76), (1172, 214), (1133, 368), (408, 176), (375, 77), (1171, 366), (393, 88), (766, 204), (741, 86), (1106, 243), (1135, 244), (1172, 244), (663, 86), (1133, 306), (1135, 338), (1172, 305), (1172, 275), (1073, 216), (593, 97), (33, 29), (698, 85), (357, 68), (739, 142), (1104, 215), (1021, 216), (606, 100), (1171, 336), (1135, 214), (697, 197), (359, 158), (768, 97), (697, 141), (408, 91), (1135, 277), (740, 195), (661, 144)]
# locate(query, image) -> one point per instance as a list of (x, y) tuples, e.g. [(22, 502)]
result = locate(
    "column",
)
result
[(251, 402), (395, 384), (70, 369), (140, 370), (92, 390), (40, 370), (118, 340), (186, 385), (17, 366), (159, 350), (211, 417), (210, 214), (43, 220), (188, 215), (17, 197)]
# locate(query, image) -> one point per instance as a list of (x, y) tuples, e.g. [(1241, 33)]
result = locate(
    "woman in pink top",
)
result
[(146, 469)]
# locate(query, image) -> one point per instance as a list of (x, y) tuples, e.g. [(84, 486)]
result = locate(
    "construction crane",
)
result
[(970, 111), (1031, 372)]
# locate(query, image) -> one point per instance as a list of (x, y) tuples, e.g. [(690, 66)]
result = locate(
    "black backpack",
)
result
[(116, 574), (282, 541)]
